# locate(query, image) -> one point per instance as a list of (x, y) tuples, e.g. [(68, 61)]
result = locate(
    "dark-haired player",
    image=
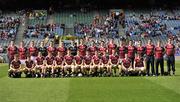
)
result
[(42, 49), (15, 67), (122, 50), (82, 48), (139, 64), (29, 67), (87, 60), (39, 66), (78, 64), (126, 65), (59, 64), (170, 51), (92, 49), (159, 59), (131, 50), (51, 49), (114, 63), (69, 65), (140, 49), (95, 64), (49, 65), (102, 49), (33, 51), (62, 49), (111, 46), (22, 52), (12, 50), (104, 65), (150, 57)]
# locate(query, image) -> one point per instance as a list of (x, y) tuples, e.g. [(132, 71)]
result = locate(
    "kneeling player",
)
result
[(87, 64), (29, 70), (126, 66), (69, 65), (104, 65), (15, 65), (139, 65), (39, 67), (114, 63), (78, 64), (49, 70), (59, 61), (96, 64)]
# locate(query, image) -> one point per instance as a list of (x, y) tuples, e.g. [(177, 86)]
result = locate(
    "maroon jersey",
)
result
[(51, 50), (150, 50), (105, 59), (114, 59), (11, 51), (92, 50), (68, 59), (170, 49), (122, 52), (62, 50), (87, 60), (39, 60), (131, 51), (82, 50), (59, 60), (78, 59), (29, 64), (22, 52), (49, 60), (159, 52), (126, 63), (102, 49), (33, 51), (96, 59), (141, 50), (16, 64), (139, 62), (111, 47)]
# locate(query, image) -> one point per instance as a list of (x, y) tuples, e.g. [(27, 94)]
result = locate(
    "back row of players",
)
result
[(93, 60)]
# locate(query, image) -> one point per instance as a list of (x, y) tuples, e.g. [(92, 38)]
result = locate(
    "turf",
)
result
[(107, 89)]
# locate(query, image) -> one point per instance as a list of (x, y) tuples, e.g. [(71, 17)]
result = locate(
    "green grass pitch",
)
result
[(104, 89)]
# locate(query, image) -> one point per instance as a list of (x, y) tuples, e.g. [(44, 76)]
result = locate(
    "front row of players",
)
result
[(68, 65)]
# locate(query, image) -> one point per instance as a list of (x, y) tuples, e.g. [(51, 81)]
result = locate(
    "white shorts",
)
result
[(22, 61), (33, 58)]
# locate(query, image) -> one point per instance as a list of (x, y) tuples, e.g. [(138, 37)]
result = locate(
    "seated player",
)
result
[(49, 65), (68, 63), (126, 66), (95, 64), (59, 64), (39, 67), (87, 63), (78, 65), (114, 63), (139, 64), (104, 65), (29, 70), (15, 68)]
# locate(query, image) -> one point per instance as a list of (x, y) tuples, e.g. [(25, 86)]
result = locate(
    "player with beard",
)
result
[(102, 48), (39, 66), (22, 52), (126, 66), (92, 49), (42, 49), (69, 65), (87, 60), (95, 64), (59, 64), (62, 49), (82, 48), (122, 50), (170, 52), (51, 49), (111, 46), (114, 63), (15, 67), (49, 64), (78, 65), (141, 49), (12, 50), (29, 70), (131, 50), (139, 64), (33, 51), (159, 59), (104, 64), (150, 58)]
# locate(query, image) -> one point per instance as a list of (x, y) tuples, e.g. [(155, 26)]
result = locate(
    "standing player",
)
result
[(49, 65), (69, 65), (62, 49), (122, 51), (140, 49), (170, 51), (33, 51), (131, 52), (51, 49), (82, 48), (114, 63), (78, 64), (111, 46), (42, 49), (126, 66), (29, 70), (22, 52), (139, 64), (150, 57), (15, 67), (92, 49), (102, 49), (95, 64), (87, 60), (39, 66), (159, 59), (73, 48), (59, 67), (12, 50)]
